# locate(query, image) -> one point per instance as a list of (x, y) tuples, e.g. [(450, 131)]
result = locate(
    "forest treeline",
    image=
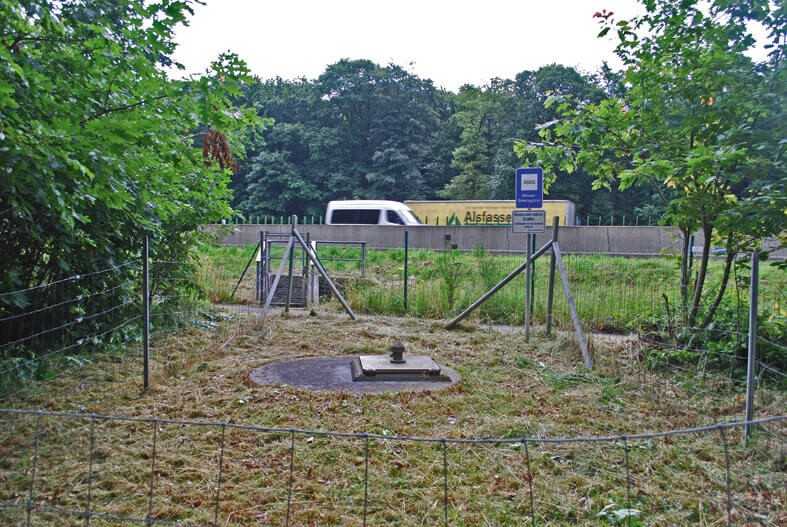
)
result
[(101, 144), (362, 130)]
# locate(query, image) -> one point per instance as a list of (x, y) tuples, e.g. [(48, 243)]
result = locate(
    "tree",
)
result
[(492, 118), (358, 131), (97, 144), (687, 124)]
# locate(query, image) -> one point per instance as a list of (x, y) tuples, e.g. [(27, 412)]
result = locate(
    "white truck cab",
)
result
[(369, 212)]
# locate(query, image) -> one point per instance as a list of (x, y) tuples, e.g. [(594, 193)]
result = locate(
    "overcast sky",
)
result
[(451, 42)]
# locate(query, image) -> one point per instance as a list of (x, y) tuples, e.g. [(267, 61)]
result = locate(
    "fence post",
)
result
[(751, 363), (551, 286), (406, 270), (261, 270), (533, 277), (528, 284), (291, 256), (306, 265), (146, 312)]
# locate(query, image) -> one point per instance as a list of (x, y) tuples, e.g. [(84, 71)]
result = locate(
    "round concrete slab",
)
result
[(335, 374)]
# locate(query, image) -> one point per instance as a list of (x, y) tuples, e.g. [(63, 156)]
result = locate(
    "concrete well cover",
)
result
[(372, 364), (335, 374)]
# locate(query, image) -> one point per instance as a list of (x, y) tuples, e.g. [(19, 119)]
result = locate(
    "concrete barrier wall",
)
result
[(626, 241)]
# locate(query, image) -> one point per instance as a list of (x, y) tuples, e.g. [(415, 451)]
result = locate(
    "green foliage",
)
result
[(97, 144), (360, 130), (697, 120), (449, 269)]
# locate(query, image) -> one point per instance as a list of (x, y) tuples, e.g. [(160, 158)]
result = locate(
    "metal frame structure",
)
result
[(557, 260)]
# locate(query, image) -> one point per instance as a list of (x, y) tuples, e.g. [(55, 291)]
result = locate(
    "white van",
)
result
[(369, 212)]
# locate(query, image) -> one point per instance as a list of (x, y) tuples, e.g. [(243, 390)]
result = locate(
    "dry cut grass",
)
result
[(510, 389)]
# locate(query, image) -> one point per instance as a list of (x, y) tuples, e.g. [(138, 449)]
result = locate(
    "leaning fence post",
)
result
[(581, 340), (551, 286), (486, 296), (146, 312), (751, 363)]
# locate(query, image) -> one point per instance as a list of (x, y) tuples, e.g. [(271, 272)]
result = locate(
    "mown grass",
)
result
[(509, 388)]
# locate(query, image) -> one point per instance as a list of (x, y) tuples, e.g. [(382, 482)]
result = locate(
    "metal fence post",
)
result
[(751, 363), (146, 312), (551, 285), (363, 259), (406, 270), (261, 269), (291, 256), (533, 277), (528, 284), (306, 265)]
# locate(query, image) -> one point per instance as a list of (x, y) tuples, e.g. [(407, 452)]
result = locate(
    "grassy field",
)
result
[(509, 389), (611, 293)]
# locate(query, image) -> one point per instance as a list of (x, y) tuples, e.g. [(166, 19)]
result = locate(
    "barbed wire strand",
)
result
[(61, 304), (78, 320), (69, 279), (80, 342)]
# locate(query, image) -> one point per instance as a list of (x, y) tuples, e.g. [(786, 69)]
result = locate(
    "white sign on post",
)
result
[(528, 221)]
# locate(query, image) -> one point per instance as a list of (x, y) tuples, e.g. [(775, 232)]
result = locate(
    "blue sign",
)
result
[(529, 188)]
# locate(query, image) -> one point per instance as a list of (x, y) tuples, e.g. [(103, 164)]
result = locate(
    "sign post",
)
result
[(529, 191)]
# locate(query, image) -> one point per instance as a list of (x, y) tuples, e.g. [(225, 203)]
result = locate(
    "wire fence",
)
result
[(611, 293), (140, 470), (59, 324), (50, 326), (94, 321), (81, 468)]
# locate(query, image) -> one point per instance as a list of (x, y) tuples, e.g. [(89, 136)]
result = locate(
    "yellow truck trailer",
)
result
[(484, 212)]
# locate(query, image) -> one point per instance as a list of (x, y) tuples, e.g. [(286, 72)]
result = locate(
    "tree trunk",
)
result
[(722, 288), (707, 231)]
